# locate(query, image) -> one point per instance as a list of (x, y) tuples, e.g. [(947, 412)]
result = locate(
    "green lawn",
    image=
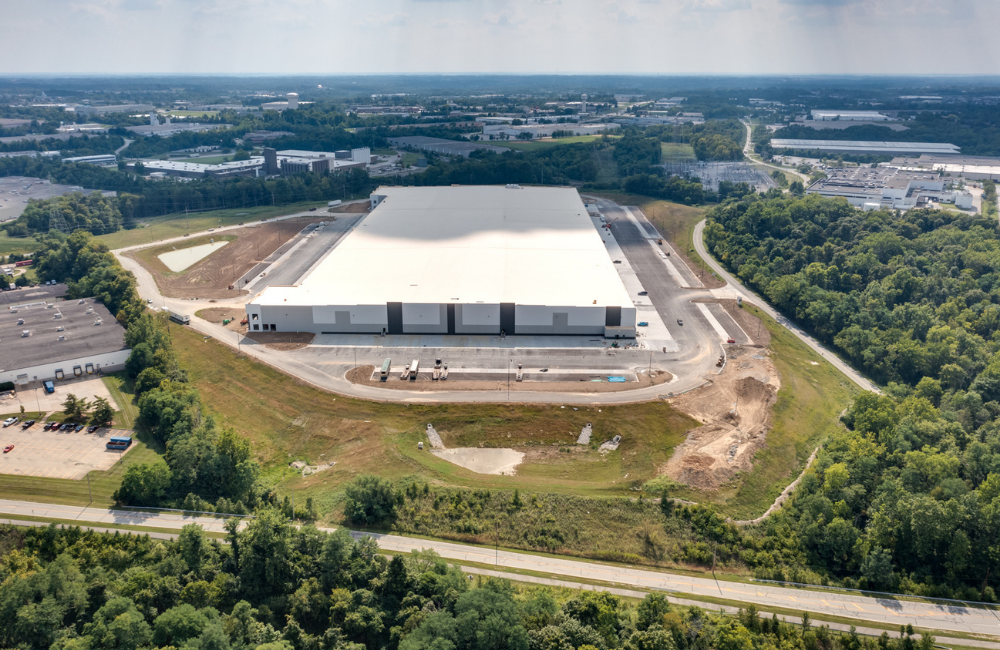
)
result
[(677, 152), (177, 224), (410, 158), (10, 245), (120, 388)]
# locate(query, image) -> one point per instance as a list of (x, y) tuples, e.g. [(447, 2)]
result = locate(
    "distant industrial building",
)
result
[(83, 128), (291, 103), (852, 116), (970, 167), (102, 160), (888, 187), (866, 147), (653, 119), (399, 111), (460, 260), (442, 146), (500, 131), (45, 338), (117, 108), (271, 163), (168, 128)]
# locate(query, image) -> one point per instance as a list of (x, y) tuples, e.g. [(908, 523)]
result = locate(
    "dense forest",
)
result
[(909, 497), (712, 140), (273, 586)]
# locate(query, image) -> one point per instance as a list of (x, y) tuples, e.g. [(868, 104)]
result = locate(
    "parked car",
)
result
[(642, 323), (680, 321), (78, 427), (731, 340), (10, 421), (28, 424), (643, 293), (7, 449), (66, 427), (92, 428), (49, 426)]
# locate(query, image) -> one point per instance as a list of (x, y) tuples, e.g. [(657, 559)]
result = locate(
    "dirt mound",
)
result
[(735, 409)]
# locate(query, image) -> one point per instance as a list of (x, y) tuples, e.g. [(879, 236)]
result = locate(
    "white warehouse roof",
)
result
[(469, 244)]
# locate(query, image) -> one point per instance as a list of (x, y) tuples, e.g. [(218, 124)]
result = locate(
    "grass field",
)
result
[(177, 224), (288, 421), (10, 245), (121, 391), (677, 152)]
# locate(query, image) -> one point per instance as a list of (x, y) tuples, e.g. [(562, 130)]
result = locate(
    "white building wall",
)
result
[(106, 362), (424, 318), (481, 314)]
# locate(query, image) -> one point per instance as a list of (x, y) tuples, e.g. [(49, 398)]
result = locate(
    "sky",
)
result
[(739, 37)]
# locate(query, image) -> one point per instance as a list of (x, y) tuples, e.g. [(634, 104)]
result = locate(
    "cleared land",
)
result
[(211, 276), (677, 152), (178, 223)]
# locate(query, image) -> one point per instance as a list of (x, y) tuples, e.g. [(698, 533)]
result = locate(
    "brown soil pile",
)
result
[(363, 375), (211, 276), (735, 409), (282, 340), (351, 208)]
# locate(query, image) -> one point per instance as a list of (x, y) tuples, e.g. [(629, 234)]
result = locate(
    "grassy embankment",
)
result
[(102, 483), (178, 224)]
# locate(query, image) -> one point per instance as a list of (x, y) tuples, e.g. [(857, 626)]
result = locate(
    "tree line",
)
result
[(273, 586), (909, 496)]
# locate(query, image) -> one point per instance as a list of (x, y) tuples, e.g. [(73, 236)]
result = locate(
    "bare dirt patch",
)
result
[(751, 324), (363, 375), (211, 276), (735, 411), (483, 461), (282, 340), (351, 208)]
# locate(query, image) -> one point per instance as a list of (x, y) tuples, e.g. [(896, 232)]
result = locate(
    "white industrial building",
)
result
[(889, 187), (492, 131), (849, 116), (43, 338), (460, 260)]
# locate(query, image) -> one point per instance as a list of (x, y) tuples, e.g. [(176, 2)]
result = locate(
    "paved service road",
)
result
[(750, 296), (949, 618)]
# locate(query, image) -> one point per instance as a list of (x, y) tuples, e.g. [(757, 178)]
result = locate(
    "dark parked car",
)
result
[(643, 293), (66, 427), (28, 424), (78, 427), (92, 428)]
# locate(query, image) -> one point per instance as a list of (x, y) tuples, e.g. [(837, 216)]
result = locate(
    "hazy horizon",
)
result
[(471, 37)]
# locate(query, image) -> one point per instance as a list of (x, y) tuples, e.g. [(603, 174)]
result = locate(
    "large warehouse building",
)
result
[(460, 260), (43, 338)]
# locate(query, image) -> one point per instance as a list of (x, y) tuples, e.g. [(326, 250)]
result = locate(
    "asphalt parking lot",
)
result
[(57, 454), (34, 397)]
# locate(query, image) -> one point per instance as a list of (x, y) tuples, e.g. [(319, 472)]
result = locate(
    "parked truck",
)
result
[(414, 369), (183, 319)]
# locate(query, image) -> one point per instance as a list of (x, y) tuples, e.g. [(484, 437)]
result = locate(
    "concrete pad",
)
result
[(483, 461), (57, 454), (36, 399), (181, 259)]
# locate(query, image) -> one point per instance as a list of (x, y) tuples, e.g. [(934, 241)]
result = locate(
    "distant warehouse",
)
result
[(866, 147), (460, 260), (42, 337)]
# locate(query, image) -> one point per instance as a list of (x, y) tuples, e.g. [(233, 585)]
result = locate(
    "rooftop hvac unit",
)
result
[(20, 321), (61, 338), (25, 334), (60, 329), (97, 322), (82, 302), (57, 315)]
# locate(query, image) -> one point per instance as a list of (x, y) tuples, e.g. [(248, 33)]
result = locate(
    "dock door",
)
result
[(395, 314), (507, 318)]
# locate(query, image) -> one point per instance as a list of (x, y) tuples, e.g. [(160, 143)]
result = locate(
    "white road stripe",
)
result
[(712, 321), (671, 269)]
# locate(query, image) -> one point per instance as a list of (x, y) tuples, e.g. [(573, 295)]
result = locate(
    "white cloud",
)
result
[(717, 5), (509, 16), (396, 19)]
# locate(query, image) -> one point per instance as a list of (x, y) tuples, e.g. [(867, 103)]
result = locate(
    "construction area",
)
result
[(252, 257), (734, 408)]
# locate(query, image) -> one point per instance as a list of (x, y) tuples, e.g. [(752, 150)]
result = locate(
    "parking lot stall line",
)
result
[(712, 321)]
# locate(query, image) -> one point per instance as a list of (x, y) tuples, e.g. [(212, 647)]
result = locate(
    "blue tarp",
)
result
[(616, 380)]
